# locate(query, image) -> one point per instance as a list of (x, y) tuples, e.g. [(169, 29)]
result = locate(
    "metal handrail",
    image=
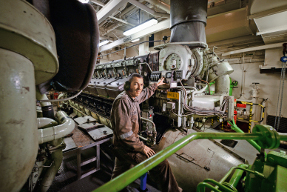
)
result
[(131, 175)]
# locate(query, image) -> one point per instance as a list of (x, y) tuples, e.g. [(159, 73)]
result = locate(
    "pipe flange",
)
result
[(270, 137)]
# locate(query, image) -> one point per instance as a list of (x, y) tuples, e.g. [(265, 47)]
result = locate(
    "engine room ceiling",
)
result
[(227, 19), (270, 19)]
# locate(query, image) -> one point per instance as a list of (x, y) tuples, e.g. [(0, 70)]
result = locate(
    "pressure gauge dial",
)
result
[(172, 62)]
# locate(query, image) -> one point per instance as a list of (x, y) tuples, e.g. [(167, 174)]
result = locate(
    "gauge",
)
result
[(172, 62), (168, 75)]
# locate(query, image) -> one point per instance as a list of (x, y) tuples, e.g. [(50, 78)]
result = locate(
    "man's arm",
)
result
[(123, 126), (149, 91)]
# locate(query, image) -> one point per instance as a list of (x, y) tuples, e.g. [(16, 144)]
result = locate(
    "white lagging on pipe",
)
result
[(44, 122), (66, 126)]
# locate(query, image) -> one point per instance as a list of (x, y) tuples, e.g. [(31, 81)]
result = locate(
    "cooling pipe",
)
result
[(66, 126), (188, 20)]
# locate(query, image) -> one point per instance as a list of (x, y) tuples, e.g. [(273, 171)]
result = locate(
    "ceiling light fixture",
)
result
[(104, 42), (84, 1), (140, 27)]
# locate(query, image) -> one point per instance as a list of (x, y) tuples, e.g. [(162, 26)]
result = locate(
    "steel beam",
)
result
[(109, 9), (147, 9), (153, 29), (273, 30), (98, 3)]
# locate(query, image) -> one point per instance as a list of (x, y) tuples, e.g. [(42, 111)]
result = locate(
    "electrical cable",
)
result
[(195, 110)]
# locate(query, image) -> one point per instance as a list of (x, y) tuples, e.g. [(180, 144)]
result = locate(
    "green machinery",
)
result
[(268, 172)]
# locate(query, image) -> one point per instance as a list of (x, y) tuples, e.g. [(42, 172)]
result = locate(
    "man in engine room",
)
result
[(125, 119)]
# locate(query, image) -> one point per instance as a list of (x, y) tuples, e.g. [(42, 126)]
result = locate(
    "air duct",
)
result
[(188, 20)]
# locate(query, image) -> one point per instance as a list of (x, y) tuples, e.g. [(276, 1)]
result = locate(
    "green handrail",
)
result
[(131, 175)]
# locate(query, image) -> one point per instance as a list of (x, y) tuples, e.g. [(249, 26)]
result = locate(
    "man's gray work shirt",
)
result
[(125, 119)]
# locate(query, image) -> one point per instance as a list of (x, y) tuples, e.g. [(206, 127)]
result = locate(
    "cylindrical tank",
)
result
[(18, 129), (188, 20), (201, 159)]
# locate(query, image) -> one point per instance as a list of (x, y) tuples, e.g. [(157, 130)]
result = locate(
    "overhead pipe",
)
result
[(66, 126), (148, 10), (120, 20), (188, 20), (111, 29), (160, 4)]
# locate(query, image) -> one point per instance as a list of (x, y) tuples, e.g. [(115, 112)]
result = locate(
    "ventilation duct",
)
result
[(188, 20)]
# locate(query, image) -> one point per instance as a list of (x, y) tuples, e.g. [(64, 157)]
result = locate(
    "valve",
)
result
[(269, 139)]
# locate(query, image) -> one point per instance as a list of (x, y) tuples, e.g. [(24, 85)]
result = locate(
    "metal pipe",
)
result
[(40, 96), (46, 122), (112, 28), (49, 175), (160, 4), (201, 188), (47, 107), (129, 176), (66, 126), (148, 10), (188, 20), (238, 130), (237, 175), (222, 85), (120, 20)]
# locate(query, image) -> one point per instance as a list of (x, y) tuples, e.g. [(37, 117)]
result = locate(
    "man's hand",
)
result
[(160, 81), (148, 151)]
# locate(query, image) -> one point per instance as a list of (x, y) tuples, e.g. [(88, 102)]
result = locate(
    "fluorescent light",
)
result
[(104, 42), (135, 40), (84, 1), (141, 27)]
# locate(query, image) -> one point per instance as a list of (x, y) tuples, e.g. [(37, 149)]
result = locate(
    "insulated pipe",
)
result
[(18, 129), (40, 96), (46, 122), (188, 20), (66, 126), (222, 85)]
